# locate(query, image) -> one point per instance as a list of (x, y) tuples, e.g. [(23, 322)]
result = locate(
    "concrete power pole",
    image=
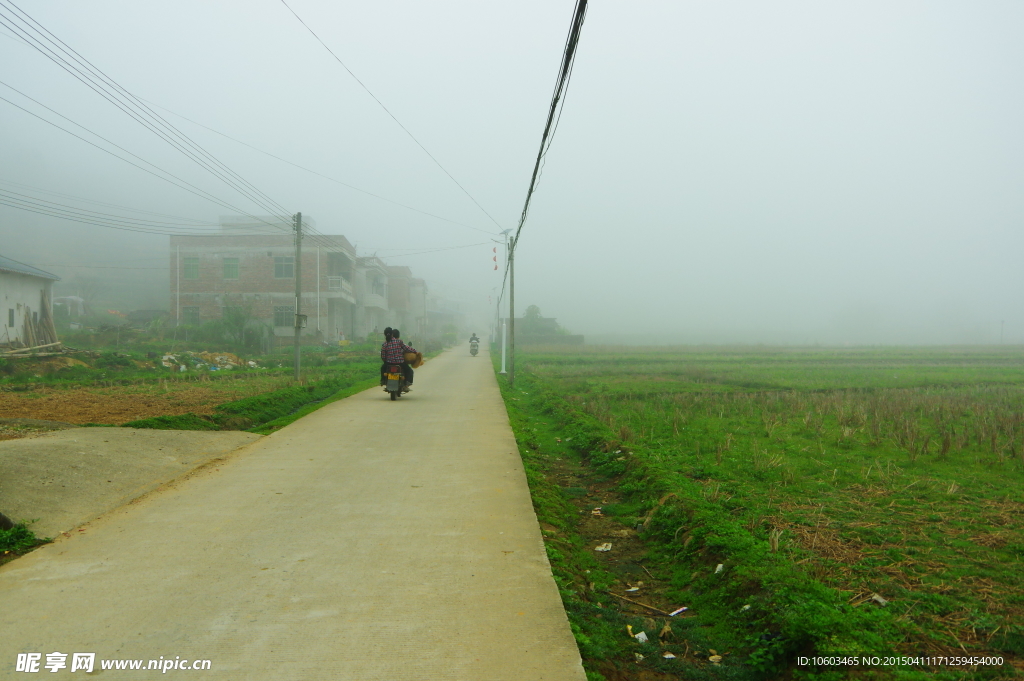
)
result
[(512, 314), (298, 290), (503, 324)]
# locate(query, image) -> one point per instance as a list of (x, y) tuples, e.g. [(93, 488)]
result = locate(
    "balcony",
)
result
[(374, 300), (341, 285)]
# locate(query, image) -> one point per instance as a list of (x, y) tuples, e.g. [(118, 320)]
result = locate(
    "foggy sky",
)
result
[(723, 172)]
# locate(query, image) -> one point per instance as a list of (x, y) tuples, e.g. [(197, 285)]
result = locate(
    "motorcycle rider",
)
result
[(473, 338), (384, 366), (393, 352)]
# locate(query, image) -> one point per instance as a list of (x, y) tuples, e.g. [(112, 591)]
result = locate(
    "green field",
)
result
[(860, 501)]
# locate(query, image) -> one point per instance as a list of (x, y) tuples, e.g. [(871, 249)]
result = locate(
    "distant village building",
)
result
[(25, 301), (407, 298), (248, 267), (256, 273)]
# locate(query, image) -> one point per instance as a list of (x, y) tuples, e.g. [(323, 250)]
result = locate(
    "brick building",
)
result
[(256, 272), (407, 298)]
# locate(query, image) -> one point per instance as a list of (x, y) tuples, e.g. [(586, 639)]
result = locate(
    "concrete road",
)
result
[(65, 478), (369, 540)]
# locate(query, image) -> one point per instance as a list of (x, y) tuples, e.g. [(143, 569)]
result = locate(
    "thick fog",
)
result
[(789, 172)]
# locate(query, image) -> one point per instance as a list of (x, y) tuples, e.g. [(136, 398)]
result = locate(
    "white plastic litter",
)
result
[(641, 637), (719, 569), (607, 546), (677, 611)]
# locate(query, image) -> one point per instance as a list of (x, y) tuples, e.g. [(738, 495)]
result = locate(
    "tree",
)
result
[(533, 321)]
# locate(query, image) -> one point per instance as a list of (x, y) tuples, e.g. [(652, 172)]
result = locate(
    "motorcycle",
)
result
[(394, 381), (474, 348)]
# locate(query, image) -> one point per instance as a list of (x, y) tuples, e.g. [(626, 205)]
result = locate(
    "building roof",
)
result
[(8, 265)]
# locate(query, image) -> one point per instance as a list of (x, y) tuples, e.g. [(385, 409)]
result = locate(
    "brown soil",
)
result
[(112, 406)]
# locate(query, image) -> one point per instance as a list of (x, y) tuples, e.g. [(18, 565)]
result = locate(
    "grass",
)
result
[(18, 541), (265, 412), (817, 479), (198, 399)]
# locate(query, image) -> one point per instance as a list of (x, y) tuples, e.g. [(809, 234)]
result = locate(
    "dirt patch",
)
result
[(12, 429), (112, 406)]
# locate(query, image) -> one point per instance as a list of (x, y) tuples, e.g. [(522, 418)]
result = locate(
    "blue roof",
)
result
[(8, 265)]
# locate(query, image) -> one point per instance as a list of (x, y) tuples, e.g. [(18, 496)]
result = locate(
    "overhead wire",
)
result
[(561, 84), (99, 267), (83, 219), (121, 93), (319, 174), (187, 186), (28, 28), (110, 217), (101, 203), (550, 125), (134, 107), (393, 117)]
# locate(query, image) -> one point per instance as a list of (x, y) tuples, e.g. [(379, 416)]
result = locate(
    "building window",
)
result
[(190, 316), (284, 315), (284, 267), (191, 268), (231, 268), (377, 286)]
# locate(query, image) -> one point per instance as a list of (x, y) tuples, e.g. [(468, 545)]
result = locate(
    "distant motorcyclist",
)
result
[(393, 352), (473, 338)]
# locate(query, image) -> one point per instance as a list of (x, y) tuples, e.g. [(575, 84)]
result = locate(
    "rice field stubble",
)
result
[(880, 486)]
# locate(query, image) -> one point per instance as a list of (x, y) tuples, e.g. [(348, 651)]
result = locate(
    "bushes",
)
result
[(113, 360)]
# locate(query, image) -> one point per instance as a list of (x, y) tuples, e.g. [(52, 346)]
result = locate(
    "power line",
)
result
[(393, 117), (319, 174), (99, 267), (554, 116), (106, 87), (436, 250), (83, 219), (124, 96), (181, 184), (102, 203), (561, 84), (17, 196)]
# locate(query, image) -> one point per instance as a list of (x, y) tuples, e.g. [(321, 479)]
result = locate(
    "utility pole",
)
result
[(298, 290), (504, 324), (512, 314)]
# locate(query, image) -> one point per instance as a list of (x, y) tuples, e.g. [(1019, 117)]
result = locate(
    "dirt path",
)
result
[(369, 540)]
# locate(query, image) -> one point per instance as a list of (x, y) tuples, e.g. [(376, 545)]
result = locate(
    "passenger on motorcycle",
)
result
[(393, 352), (384, 365)]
